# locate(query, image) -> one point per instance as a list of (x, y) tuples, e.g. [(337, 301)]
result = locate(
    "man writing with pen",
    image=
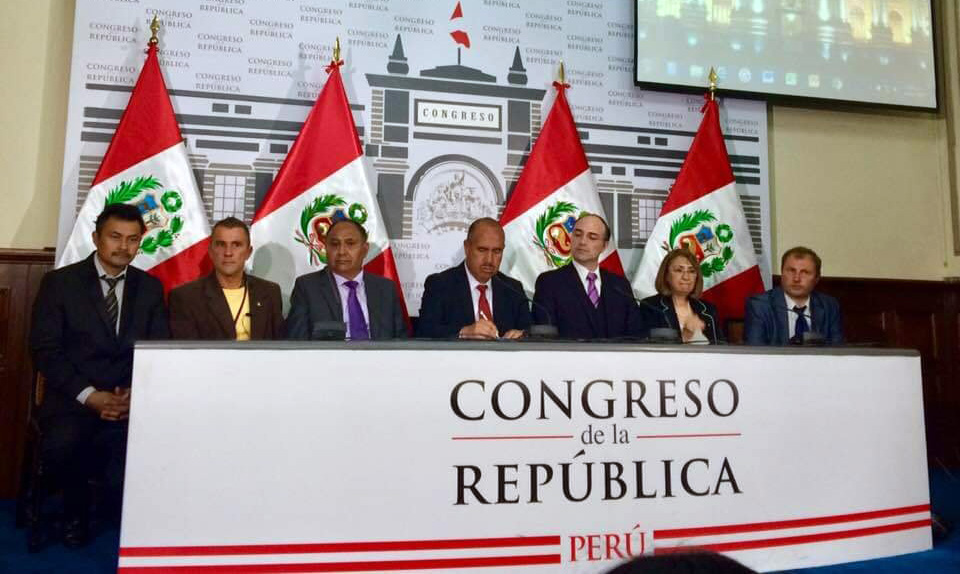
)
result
[(228, 304), (474, 300)]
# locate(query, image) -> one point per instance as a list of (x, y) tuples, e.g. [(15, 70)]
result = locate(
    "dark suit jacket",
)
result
[(766, 319), (447, 304), (199, 310), (73, 345), (561, 300), (316, 298), (659, 313)]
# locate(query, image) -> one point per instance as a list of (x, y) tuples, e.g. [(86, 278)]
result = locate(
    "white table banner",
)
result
[(518, 458)]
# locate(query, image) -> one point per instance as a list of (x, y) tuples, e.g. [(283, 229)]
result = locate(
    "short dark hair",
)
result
[(121, 211), (232, 223), (660, 283), (606, 228), (336, 222), (481, 222), (801, 251), (694, 562)]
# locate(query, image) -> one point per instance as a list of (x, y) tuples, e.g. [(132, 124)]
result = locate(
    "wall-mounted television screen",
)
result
[(869, 51)]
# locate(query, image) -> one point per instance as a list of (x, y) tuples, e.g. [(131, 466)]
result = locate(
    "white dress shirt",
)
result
[(792, 316), (582, 272), (475, 294), (345, 298)]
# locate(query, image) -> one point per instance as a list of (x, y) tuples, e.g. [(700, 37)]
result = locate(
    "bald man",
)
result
[(582, 300), (474, 300)]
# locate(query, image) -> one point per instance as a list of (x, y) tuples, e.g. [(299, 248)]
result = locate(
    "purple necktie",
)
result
[(358, 323), (592, 292)]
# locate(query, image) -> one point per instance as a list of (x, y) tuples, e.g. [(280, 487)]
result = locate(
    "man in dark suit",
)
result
[(343, 292), (782, 315), (474, 300), (86, 319), (582, 300), (228, 303)]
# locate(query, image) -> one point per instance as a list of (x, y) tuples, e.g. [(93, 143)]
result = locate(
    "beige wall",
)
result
[(36, 38), (870, 190)]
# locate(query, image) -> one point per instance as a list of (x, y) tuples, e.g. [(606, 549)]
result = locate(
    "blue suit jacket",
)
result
[(447, 304), (766, 319), (561, 300)]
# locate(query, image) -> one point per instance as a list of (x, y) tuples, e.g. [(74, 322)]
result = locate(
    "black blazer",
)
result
[(73, 345), (315, 298), (561, 300), (765, 322), (447, 304), (659, 313), (199, 310)]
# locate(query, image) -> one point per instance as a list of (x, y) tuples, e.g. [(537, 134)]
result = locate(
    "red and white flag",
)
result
[(323, 178), (554, 189), (147, 165), (703, 214)]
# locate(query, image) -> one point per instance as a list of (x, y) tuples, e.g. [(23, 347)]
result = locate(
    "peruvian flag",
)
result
[(555, 188), (147, 165), (322, 179), (703, 214), (459, 36)]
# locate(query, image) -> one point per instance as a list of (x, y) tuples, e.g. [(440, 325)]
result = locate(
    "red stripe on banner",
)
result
[(557, 158), (517, 437), (802, 539), (328, 547), (147, 126), (385, 266), (707, 165), (187, 265), (710, 435), (796, 523), (327, 141), (370, 566), (730, 295)]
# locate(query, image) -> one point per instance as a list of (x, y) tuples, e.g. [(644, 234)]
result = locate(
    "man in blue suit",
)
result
[(582, 300), (474, 300), (782, 315)]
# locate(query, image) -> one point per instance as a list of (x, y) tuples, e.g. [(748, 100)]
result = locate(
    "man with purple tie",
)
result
[(582, 300), (368, 304)]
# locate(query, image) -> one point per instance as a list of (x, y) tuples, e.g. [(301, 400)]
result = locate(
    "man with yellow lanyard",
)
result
[(228, 303)]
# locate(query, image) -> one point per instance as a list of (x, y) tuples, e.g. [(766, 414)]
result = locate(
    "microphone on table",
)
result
[(538, 330), (328, 331)]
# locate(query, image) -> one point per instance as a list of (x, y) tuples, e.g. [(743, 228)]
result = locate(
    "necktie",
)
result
[(483, 306), (592, 292), (358, 323), (801, 326), (113, 305)]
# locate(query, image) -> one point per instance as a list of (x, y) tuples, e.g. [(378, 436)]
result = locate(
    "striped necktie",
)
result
[(113, 305)]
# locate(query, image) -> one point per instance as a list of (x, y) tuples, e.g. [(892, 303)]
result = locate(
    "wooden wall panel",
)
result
[(20, 273)]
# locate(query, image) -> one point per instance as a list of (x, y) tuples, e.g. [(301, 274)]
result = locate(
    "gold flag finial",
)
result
[(563, 74), (154, 30), (713, 82), (336, 50)]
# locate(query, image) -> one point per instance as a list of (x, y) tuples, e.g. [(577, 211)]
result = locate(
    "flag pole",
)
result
[(713, 83), (154, 31), (563, 75), (336, 50)]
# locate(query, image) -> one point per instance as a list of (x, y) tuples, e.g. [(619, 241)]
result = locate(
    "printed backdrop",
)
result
[(446, 107)]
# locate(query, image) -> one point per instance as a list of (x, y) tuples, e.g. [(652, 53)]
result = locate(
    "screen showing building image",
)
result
[(871, 51)]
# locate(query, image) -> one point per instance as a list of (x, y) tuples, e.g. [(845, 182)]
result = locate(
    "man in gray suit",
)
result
[(369, 304)]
